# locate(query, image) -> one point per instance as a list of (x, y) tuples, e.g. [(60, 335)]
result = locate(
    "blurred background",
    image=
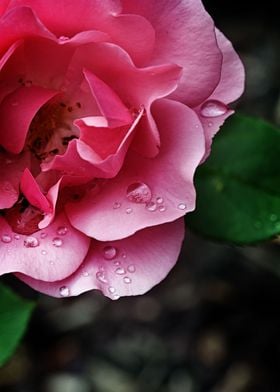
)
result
[(212, 326)]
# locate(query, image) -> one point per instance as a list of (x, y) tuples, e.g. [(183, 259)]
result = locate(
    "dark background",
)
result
[(212, 325)]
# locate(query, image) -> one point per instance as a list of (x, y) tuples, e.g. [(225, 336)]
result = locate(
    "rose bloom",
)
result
[(107, 108)]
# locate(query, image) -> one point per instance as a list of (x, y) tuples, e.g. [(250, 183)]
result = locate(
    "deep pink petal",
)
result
[(33, 193), (141, 262), (11, 169), (56, 256), (20, 23), (68, 17), (185, 35), (85, 159), (110, 105), (169, 176), (17, 111)]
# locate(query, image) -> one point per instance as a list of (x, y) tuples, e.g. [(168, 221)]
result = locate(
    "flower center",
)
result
[(52, 129)]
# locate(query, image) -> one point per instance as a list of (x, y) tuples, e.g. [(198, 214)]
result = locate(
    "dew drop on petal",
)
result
[(128, 210), (162, 208), (62, 230), (151, 206), (6, 238), (115, 296), (159, 200), (109, 252), (85, 273), (31, 242), (64, 291), (138, 192), (57, 242), (17, 237), (101, 277), (182, 206), (116, 205), (127, 280), (43, 252), (43, 235), (111, 289), (213, 108), (131, 268), (117, 262), (120, 271)]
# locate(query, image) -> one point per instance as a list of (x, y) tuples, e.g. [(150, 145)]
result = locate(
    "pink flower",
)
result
[(107, 108)]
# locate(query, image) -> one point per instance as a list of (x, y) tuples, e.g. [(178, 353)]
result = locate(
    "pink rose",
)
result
[(107, 108)]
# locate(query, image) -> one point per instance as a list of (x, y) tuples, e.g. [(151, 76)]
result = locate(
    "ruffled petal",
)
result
[(185, 35), (169, 177), (131, 266), (45, 255)]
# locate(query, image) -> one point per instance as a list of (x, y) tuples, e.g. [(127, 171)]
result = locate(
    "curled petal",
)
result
[(130, 266)]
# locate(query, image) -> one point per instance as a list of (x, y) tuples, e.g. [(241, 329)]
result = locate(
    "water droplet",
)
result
[(159, 200), (17, 237), (44, 252), (62, 230), (213, 108), (31, 242), (115, 296), (117, 262), (101, 277), (43, 235), (6, 238), (109, 252), (111, 289), (182, 206), (124, 256), (51, 262), (127, 280), (131, 268), (151, 206), (120, 271), (139, 192), (64, 291), (128, 210), (85, 273), (210, 124), (57, 242), (162, 208), (273, 217), (116, 205)]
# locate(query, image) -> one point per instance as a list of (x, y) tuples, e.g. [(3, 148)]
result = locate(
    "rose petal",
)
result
[(33, 193), (169, 176), (110, 105), (141, 262), (20, 23), (11, 169), (17, 111), (230, 88), (185, 35), (136, 87), (67, 17), (55, 257)]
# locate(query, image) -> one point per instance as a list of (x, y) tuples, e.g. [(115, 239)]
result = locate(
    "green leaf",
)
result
[(238, 188), (14, 315)]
